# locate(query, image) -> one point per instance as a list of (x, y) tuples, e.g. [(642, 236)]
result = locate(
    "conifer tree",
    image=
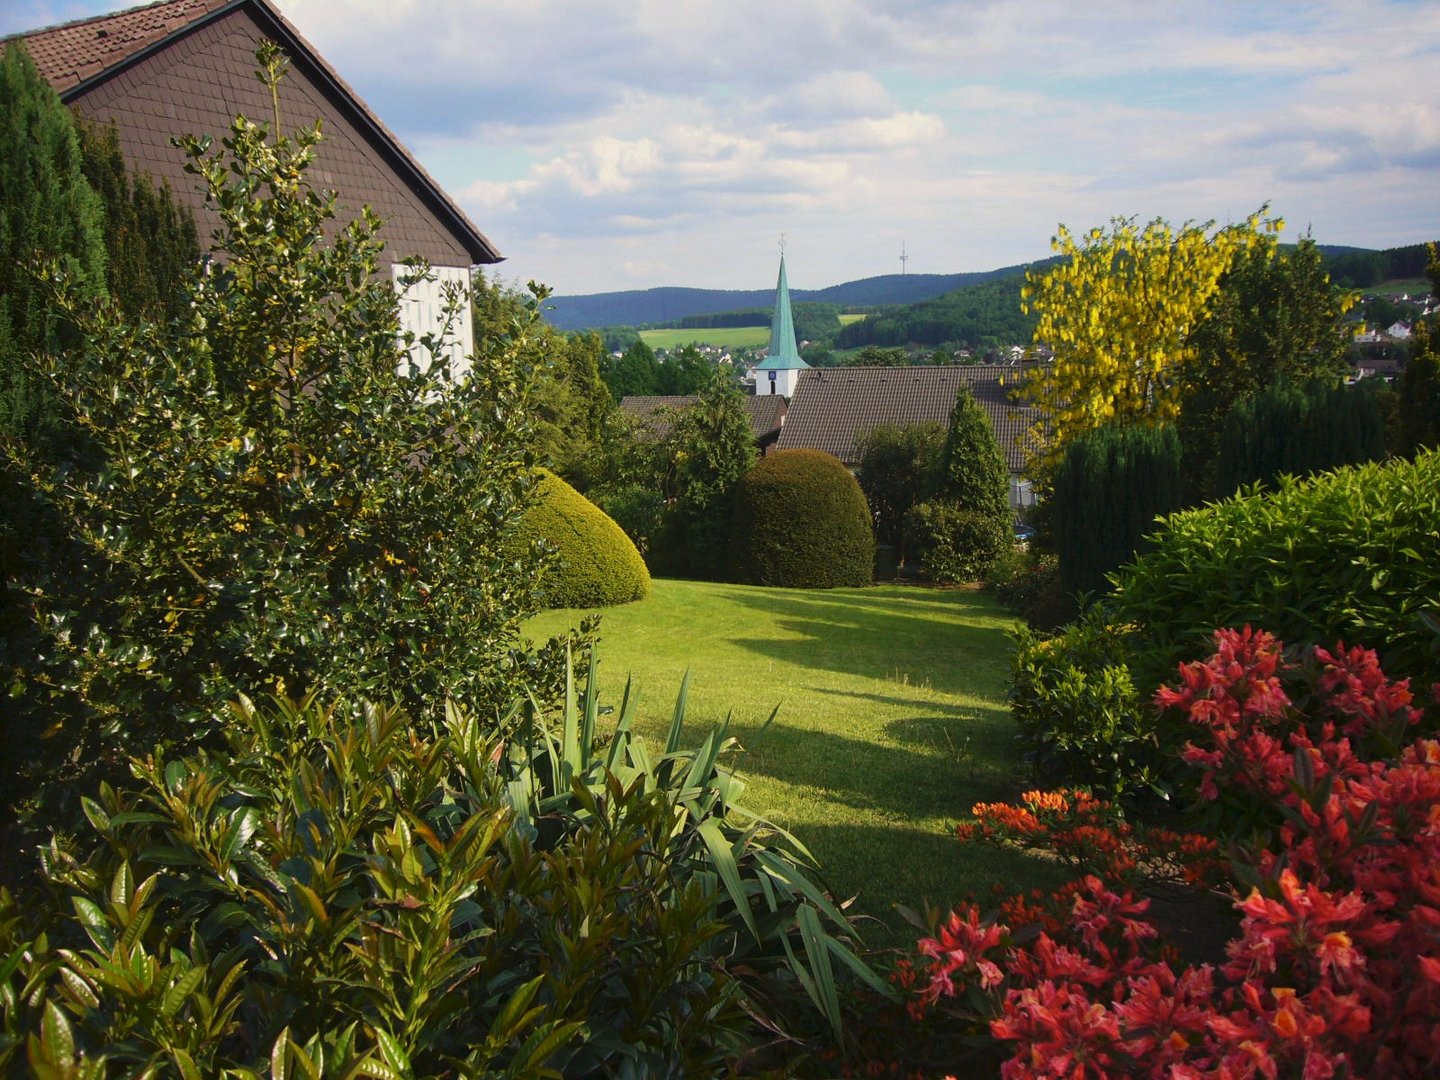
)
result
[(1109, 487), (971, 471), (965, 523), (46, 208), (150, 240), (1419, 390)]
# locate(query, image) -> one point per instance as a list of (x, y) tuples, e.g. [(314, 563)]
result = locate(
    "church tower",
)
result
[(779, 371)]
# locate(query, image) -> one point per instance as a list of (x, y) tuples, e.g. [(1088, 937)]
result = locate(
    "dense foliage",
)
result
[(47, 209), (1345, 555), (1299, 429), (1419, 390), (801, 522), (568, 405), (278, 506), (697, 467), (896, 466), (352, 891), (1334, 969), (1119, 312), (1357, 269), (1108, 489), (955, 543), (151, 245), (639, 372), (964, 521), (1079, 714), (595, 563), (976, 316), (1276, 317)]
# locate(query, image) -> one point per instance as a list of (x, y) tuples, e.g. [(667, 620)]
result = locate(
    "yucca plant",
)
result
[(783, 929)]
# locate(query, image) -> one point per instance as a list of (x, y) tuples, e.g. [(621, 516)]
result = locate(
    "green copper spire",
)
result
[(783, 355)]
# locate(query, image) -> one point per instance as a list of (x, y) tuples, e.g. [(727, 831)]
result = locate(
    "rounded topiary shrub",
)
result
[(597, 564), (801, 521)]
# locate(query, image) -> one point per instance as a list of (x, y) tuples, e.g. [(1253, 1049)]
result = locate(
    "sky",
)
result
[(625, 144)]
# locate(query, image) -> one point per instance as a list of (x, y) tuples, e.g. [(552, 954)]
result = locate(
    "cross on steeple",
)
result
[(782, 245)]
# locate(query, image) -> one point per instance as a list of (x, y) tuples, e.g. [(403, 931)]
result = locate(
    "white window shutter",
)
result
[(422, 311)]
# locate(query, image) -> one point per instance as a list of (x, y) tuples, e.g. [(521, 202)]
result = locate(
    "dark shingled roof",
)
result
[(656, 412), (181, 67), (831, 407)]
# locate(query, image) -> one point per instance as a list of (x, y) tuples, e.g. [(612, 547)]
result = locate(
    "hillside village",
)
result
[(398, 684)]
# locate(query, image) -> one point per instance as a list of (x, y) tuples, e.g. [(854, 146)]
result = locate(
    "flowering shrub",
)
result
[(1336, 967)]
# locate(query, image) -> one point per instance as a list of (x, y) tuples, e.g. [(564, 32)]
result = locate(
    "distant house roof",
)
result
[(182, 67), (832, 407), (656, 413)]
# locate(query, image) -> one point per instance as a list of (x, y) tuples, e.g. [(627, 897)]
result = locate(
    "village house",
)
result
[(187, 67)]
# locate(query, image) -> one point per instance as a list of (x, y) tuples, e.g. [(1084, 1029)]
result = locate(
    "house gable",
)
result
[(188, 67)]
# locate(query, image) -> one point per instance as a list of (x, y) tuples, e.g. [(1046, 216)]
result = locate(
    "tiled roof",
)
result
[(831, 407), (75, 52), (657, 412), (162, 69)]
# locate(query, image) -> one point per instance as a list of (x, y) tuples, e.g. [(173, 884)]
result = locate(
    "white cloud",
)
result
[(608, 144)]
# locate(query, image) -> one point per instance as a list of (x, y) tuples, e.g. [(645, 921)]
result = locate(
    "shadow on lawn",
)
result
[(882, 866), (902, 782), (880, 638)]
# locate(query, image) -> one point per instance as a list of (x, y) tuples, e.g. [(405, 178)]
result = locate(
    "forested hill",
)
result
[(664, 305)]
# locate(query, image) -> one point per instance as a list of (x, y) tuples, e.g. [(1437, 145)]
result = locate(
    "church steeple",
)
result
[(782, 360), (782, 325)]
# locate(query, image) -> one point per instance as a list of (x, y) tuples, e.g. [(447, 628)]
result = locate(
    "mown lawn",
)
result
[(892, 721)]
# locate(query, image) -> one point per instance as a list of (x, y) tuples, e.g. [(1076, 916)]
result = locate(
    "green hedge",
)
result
[(1109, 487), (597, 563), (802, 522), (1347, 554)]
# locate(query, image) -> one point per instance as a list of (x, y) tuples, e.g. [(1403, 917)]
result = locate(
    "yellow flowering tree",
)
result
[(1119, 313)]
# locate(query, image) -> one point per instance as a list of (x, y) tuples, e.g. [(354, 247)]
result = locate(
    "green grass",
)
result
[(1412, 286), (892, 721), (846, 320), (722, 336)]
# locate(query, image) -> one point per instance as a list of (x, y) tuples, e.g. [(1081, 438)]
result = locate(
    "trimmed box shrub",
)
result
[(597, 564), (801, 521)]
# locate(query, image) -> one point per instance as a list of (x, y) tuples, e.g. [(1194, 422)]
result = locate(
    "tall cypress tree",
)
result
[(47, 208), (1299, 429), (1109, 488)]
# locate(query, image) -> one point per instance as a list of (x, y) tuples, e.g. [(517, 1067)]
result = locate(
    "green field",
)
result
[(892, 721), (846, 320), (732, 337), (1411, 286)]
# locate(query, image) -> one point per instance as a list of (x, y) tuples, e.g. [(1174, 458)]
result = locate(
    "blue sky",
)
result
[(612, 144)]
